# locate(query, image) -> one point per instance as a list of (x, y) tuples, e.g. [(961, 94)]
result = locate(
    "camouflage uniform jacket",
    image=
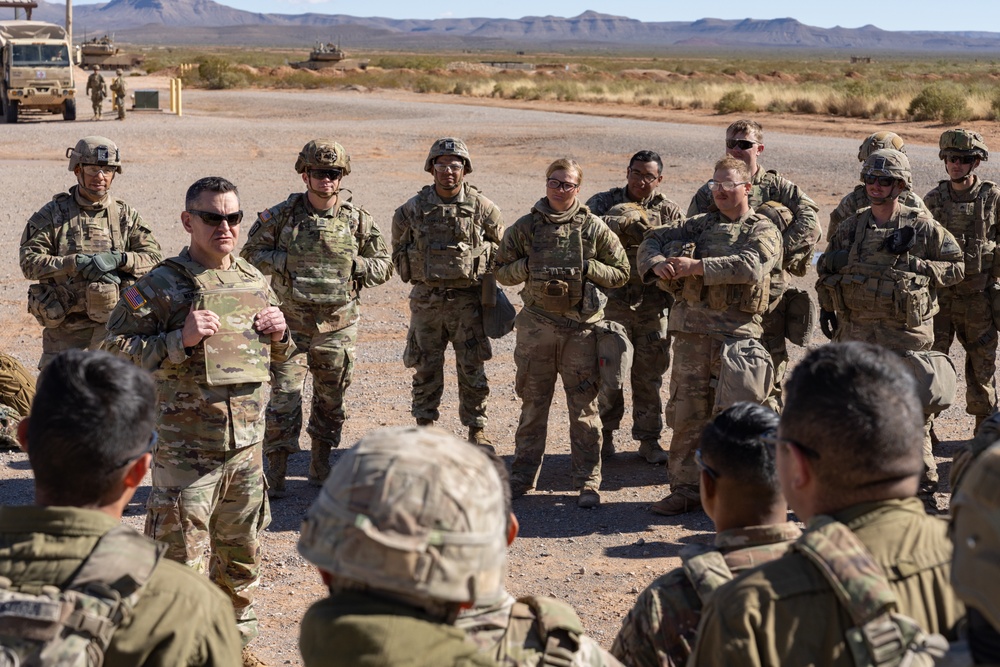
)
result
[(745, 263), (661, 627), (484, 227), (145, 328), (97, 86), (272, 239), (69, 225), (799, 239), (181, 618), (518, 632), (605, 262), (857, 199), (351, 628), (973, 217), (119, 87), (786, 613)]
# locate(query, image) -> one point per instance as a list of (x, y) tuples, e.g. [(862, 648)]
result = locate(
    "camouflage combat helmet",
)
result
[(119, 71), (323, 154), (94, 150), (880, 141), (963, 142), (411, 511), (96, 68), (887, 162), (449, 146)]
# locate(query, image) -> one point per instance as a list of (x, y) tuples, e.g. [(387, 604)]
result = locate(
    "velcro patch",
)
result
[(134, 298), (265, 215)]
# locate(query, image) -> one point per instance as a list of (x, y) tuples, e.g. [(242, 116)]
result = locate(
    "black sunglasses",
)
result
[(742, 144), (147, 449), (215, 219), (320, 174), (964, 159), (884, 181)]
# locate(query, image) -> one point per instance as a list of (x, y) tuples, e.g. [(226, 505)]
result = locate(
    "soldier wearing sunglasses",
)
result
[(321, 250)]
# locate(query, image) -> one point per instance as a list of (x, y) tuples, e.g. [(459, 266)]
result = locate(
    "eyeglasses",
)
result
[(329, 174), (711, 472), (215, 219), (97, 169), (884, 181), (725, 186), (147, 449), (772, 442), (742, 144), (644, 178), (456, 167), (564, 186), (964, 159)]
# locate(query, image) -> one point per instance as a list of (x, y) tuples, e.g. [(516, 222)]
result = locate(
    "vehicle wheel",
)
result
[(69, 110), (10, 113)]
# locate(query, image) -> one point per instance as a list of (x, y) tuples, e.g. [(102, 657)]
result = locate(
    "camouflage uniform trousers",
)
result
[(17, 390), (210, 508), (647, 329), (83, 334), (97, 102), (773, 340), (543, 351), (439, 317), (329, 356), (970, 317)]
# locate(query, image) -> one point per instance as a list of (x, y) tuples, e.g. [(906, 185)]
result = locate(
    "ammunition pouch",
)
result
[(750, 298), (746, 373), (901, 296), (614, 353), (102, 298), (49, 304), (937, 381)]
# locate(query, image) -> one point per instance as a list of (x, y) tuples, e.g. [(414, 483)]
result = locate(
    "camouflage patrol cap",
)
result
[(449, 146), (879, 141), (323, 154), (777, 213), (975, 533), (887, 162), (411, 511), (963, 142), (94, 150)]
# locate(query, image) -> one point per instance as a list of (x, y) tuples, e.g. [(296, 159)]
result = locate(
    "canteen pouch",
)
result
[(614, 353), (555, 296), (800, 316), (746, 373), (45, 305), (593, 301), (101, 300), (937, 381)]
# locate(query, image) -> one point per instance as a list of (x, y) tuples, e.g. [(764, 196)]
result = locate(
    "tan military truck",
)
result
[(37, 70)]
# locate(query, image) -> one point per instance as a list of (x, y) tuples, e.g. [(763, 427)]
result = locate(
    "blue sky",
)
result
[(886, 14)]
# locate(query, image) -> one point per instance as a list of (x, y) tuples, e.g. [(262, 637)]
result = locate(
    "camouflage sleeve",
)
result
[(751, 262), (945, 263), (725, 637), (804, 233), (660, 628), (608, 267), (261, 248), (142, 330), (401, 235), (492, 222), (39, 245), (913, 200), (512, 256), (374, 264), (932, 203), (670, 213), (280, 350), (598, 203), (652, 249), (844, 210), (701, 202), (142, 251)]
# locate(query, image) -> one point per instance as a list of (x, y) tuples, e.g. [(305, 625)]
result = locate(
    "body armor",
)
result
[(321, 258), (556, 263), (966, 220), (715, 241), (447, 248)]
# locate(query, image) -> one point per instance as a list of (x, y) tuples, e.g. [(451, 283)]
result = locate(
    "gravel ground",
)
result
[(597, 560)]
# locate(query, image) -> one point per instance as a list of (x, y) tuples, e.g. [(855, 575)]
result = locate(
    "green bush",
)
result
[(218, 74), (736, 101), (939, 102), (805, 105)]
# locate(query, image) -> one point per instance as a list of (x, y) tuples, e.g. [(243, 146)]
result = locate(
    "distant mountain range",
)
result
[(202, 22)]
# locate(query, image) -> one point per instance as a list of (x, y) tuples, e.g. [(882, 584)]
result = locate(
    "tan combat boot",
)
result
[(319, 462), (277, 468), (589, 499), (251, 660), (422, 421), (653, 452), (680, 501), (477, 436), (607, 445)]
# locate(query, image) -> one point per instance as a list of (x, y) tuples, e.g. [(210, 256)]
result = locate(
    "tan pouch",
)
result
[(46, 307), (101, 300), (555, 296)]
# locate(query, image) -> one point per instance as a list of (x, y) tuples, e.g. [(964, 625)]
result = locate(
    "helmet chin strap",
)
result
[(893, 194), (966, 177), (93, 194)]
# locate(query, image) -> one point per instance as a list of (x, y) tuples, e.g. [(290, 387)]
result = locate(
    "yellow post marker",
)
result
[(180, 90), (173, 105)]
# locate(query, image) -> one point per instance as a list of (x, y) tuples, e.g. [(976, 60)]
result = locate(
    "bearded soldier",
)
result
[(321, 249), (443, 242), (84, 248)]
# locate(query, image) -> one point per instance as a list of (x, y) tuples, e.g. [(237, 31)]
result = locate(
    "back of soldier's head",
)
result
[(732, 446), (856, 406), (412, 513), (92, 414)]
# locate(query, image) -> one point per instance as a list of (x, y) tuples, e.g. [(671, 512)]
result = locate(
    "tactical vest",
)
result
[(73, 626), (322, 254), (878, 282), (540, 625), (966, 220), (719, 240), (236, 354), (556, 263), (447, 248), (881, 636), (706, 572)]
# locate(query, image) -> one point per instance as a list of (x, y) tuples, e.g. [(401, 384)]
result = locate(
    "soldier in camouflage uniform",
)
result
[(745, 141), (321, 250), (17, 390), (84, 248), (881, 273), (969, 208), (120, 89), (718, 268), (741, 494), (97, 88), (630, 211), (858, 199), (207, 325), (443, 242), (407, 530), (563, 254), (849, 462)]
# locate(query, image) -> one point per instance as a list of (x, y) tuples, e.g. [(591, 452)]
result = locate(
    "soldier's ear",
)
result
[(513, 527), (137, 471), (22, 434), (186, 221)]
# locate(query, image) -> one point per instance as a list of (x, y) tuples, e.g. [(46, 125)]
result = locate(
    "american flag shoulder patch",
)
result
[(134, 298), (265, 215)]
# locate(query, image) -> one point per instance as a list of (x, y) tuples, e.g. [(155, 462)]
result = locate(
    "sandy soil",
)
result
[(597, 560)]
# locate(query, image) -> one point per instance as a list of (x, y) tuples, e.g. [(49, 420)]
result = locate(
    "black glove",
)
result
[(94, 267), (900, 241), (828, 323)]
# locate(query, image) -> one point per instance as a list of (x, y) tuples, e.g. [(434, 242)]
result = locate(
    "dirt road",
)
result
[(597, 560)]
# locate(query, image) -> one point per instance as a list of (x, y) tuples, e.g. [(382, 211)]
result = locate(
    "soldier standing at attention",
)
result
[(745, 141), (741, 494), (321, 250), (563, 254), (97, 88), (443, 241), (120, 89), (969, 208), (630, 211), (848, 459), (84, 248), (206, 324), (717, 266)]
